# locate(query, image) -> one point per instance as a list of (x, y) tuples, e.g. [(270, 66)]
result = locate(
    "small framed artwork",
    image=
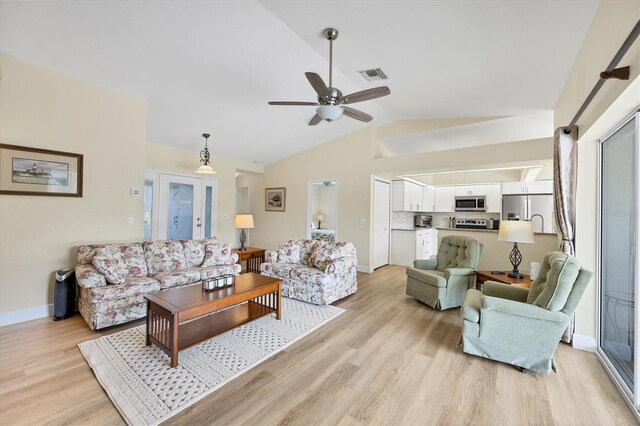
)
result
[(35, 171), (275, 199)]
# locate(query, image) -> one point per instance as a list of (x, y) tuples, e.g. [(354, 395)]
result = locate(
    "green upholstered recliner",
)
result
[(522, 326), (442, 282)]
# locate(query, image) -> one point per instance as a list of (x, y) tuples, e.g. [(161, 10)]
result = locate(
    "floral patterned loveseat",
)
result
[(319, 272), (113, 278)]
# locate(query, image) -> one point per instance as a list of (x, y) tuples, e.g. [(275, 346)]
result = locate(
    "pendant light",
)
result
[(205, 169)]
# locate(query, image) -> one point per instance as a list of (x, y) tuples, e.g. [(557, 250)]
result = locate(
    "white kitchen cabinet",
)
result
[(408, 245), (539, 187), (406, 196), (494, 198), (445, 199), (428, 198), (470, 190), (532, 187)]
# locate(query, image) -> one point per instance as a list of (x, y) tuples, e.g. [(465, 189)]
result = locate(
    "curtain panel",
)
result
[(565, 176)]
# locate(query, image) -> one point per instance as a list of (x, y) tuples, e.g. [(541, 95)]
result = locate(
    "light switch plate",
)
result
[(135, 192)]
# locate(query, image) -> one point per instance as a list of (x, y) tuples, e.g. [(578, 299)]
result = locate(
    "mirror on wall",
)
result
[(322, 209)]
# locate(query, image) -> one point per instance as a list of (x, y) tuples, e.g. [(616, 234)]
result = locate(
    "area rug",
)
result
[(147, 391)]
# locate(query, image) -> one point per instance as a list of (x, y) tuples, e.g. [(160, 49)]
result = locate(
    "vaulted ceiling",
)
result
[(211, 66)]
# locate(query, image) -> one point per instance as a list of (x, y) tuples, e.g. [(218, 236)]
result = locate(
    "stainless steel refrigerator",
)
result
[(522, 207)]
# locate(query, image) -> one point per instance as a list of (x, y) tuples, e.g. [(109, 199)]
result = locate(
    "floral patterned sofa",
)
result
[(319, 272), (113, 278)]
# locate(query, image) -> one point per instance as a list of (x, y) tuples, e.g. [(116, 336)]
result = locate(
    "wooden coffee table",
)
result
[(504, 278), (183, 317)]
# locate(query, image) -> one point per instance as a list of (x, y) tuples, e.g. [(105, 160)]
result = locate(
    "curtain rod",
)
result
[(610, 72)]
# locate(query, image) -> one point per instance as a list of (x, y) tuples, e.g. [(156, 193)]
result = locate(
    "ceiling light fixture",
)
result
[(205, 169), (329, 112)]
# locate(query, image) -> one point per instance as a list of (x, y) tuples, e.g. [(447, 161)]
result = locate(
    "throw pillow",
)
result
[(111, 266), (289, 252), (218, 254)]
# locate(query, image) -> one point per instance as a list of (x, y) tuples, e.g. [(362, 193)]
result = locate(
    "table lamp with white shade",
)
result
[(515, 231), (243, 221)]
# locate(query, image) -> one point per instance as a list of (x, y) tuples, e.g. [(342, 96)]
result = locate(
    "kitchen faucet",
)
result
[(541, 218)]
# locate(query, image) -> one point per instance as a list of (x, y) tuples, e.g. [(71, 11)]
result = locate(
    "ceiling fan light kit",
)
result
[(330, 99), (329, 112)]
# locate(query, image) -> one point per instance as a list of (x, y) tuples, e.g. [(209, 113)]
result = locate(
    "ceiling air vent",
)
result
[(373, 74)]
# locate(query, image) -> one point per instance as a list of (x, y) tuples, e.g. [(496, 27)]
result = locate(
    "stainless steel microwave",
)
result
[(471, 204)]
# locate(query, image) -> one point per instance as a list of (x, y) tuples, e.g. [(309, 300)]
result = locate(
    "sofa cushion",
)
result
[(310, 275), (555, 280), (164, 256), (218, 254), (289, 252), (282, 270), (133, 286), (307, 247), (176, 278), (88, 276), (194, 250), (432, 277), (216, 271), (325, 251), (86, 252), (117, 262)]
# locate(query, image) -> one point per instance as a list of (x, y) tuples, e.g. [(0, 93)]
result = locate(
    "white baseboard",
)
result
[(28, 314), (364, 268), (584, 343)]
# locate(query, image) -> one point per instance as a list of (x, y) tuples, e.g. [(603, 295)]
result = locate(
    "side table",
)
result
[(482, 276), (253, 256)]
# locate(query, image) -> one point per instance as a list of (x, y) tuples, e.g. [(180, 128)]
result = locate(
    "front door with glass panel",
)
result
[(179, 208)]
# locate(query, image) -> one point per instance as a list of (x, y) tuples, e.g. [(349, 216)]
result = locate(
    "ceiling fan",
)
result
[(331, 100)]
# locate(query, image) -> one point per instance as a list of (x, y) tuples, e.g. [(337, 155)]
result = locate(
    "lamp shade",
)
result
[(320, 217), (244, 221), (206, 169), (516, 231), (329, 112)]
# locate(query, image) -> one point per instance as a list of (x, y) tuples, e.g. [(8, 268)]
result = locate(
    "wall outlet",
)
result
[(363, 221), (129, 221)]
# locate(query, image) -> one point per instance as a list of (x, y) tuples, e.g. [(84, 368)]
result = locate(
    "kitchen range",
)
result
[(476, 224)]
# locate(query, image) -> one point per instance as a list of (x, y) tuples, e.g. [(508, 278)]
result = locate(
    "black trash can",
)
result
[(64, 294)]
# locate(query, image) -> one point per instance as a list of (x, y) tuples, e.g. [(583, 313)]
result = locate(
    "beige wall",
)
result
[(350, 160), (611, 25), (183, 161), (44, 109), (495, 254)]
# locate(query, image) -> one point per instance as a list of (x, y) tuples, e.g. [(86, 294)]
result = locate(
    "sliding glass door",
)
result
[(618, 255)]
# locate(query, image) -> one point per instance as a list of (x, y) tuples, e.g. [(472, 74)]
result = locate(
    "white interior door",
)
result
[(381, 222), (180, 208)]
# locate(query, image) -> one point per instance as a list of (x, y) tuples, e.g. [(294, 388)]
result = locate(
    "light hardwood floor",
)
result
[(387, 360)]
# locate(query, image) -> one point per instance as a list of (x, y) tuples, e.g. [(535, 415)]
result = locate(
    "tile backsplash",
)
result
[(440, 220)]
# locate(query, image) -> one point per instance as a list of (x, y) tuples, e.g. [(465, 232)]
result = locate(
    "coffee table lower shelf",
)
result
[(196, 331)]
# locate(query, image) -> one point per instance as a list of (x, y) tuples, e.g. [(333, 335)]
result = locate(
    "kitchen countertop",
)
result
[(487, 230)]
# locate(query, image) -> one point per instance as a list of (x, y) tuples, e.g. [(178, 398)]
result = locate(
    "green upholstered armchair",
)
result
[(522, 326), (442, 282)]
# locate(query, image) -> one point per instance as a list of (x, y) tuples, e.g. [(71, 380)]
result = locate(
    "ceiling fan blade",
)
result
[(293, 103), (365, 95), (317, 83), (357, 114), (315, 120)]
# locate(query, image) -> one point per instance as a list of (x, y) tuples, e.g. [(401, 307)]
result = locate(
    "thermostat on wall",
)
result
[(135, 192)]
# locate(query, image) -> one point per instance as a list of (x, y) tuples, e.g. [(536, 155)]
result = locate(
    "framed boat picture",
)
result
[(275, 199), (35, 171)]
